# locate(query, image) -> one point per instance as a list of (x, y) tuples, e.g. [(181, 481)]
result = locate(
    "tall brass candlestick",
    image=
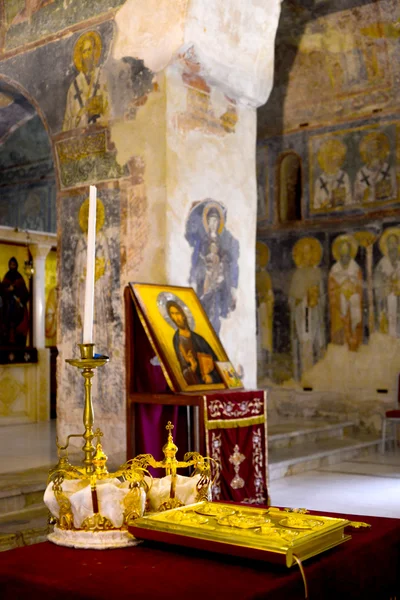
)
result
[(88, 363)]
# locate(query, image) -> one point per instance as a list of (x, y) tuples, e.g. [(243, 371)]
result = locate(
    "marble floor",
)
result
[(364, 486), (27, 446)]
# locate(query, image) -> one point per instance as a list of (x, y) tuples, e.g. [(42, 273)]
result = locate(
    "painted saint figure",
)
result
[(307, 306), (195, 356), (15, 296), (387, 283), (332, 188), (345, 287), (265, 305), (215, 270), (87, 98), (376, 180)]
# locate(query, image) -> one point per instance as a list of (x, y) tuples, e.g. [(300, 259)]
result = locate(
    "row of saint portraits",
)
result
[(354, 168), (349, 170), (344, 304), (334, 65)]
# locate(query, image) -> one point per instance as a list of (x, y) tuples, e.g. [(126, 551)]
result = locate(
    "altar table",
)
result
[(367, 566)]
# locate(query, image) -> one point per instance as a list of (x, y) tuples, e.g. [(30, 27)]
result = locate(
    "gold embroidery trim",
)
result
[(232, 423)]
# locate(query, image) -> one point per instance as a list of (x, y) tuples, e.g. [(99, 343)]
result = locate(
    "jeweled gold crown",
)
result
[(91, 507)]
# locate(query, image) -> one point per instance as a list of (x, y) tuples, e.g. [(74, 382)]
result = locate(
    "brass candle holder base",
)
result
[(88, 362)]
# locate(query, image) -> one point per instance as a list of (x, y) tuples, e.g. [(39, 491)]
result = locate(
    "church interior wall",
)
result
[(144, 121), (340, 116)]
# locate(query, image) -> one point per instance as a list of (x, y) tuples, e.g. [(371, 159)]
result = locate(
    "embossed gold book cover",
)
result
[(259, 533)]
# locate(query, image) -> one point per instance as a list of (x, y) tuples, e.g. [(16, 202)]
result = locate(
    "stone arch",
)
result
[(13, 85), (289, 187)]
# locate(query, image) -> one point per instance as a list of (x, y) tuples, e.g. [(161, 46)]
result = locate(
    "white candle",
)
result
[(90, 269)]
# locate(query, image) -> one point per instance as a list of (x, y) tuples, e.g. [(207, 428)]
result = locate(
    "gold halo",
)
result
[(298, 251), (338, 242), (84, 215), (262, 253), (384, 238), (333, 150), (207, 209), (374, 145), (93, 37)]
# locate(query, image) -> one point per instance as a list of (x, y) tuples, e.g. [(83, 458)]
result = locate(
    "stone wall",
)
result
[(328, 273), (160, 114)]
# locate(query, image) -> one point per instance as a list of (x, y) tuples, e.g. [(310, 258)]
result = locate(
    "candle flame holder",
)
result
[(88, 362)]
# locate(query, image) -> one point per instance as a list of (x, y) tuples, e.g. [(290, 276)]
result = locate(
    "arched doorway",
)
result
[(27, 233), (289, 187)]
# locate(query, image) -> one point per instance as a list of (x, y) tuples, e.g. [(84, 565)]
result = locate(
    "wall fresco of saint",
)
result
[(317, 290), (334, 62)]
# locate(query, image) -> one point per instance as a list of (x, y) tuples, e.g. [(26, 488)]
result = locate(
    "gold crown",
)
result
[(87, 499)]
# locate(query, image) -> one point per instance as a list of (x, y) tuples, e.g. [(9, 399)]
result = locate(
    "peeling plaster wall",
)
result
[(236, 42), (335, 107), (170, 122), (205, 163)]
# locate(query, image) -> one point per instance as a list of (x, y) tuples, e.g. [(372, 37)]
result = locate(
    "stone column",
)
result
[(196, 136), (39, 254)]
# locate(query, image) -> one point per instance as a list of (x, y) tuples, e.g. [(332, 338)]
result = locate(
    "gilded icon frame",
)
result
[(175, 352)]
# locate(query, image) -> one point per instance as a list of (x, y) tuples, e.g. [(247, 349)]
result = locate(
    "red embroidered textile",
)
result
[(367, 566), (236, 437)]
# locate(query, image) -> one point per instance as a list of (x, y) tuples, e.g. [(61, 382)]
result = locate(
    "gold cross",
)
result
[(99, 434), (169, 427)]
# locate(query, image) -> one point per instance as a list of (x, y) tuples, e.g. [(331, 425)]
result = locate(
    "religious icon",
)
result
[(307, 306), (332, 187), (265, 305), (50, 317), (182, 336), (376, 180), (14, 299), (387, 283), (87, 98), (345, 286), (215, 270)]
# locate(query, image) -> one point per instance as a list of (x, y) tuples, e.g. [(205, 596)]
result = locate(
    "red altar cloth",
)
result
[(368, 566), (236, 438)]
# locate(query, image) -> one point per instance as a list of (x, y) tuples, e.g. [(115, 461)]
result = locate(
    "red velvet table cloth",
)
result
[(368, 566)]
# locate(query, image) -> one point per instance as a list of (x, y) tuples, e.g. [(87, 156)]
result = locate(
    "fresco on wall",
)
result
[(387, 283), (51, 299), (336, 299), (343, 62), (29, 206), (107, 331), (217, 116), (264, 307), (215, 271), (345, 288), (263, 207), (31, 20), (27, 176), (87, 98), (353, 168), (307, 305)]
